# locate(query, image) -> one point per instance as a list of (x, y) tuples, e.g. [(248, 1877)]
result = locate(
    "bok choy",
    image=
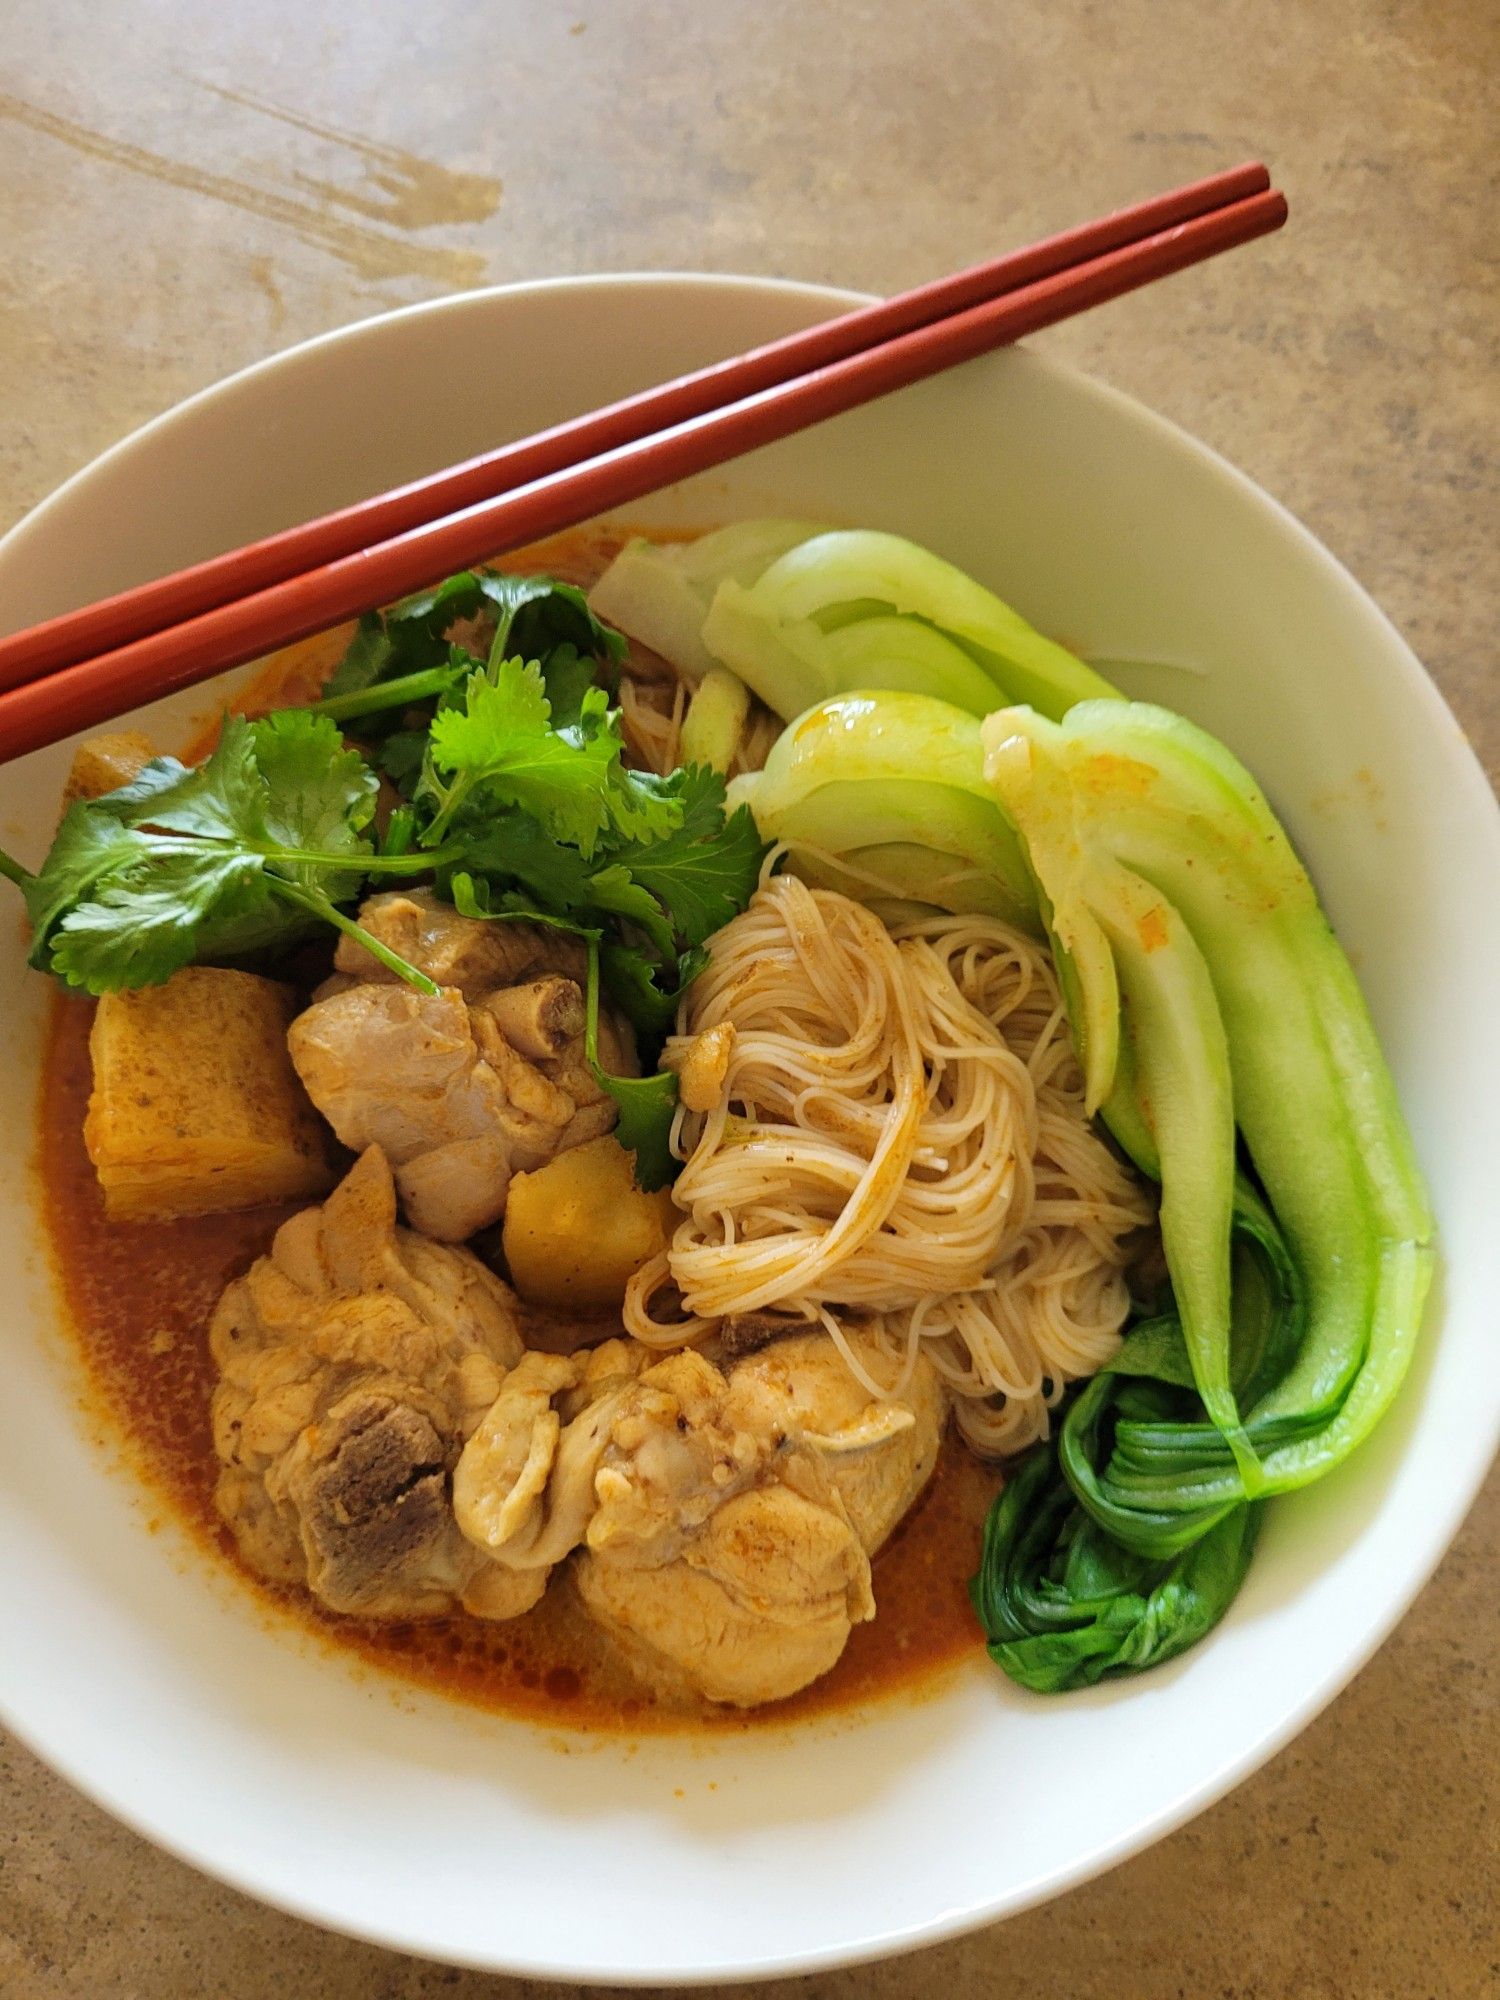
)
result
[(659, 592), (1213, 1009), (800, 616), (884, 796)]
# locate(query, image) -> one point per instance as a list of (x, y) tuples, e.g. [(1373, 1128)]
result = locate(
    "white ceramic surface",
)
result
[(148, 1678)]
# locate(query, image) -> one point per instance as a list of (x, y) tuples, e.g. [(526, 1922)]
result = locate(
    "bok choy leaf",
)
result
[(892, 786), (1194, 941), (1063, 1605), (659, 592), (807, 620), (801, 615)]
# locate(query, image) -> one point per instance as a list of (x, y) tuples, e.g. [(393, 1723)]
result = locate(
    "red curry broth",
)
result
[(140, 1299)]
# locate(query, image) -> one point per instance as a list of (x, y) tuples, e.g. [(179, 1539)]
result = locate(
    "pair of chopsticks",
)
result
[(78, 670)]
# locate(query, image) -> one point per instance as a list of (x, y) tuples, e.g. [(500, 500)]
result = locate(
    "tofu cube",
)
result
[(104, 763), (196, 1107)]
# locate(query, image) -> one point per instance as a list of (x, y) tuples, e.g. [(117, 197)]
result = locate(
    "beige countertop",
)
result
[(183, 190)]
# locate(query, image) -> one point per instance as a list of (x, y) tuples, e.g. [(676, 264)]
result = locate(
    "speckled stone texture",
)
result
[(157, 233)]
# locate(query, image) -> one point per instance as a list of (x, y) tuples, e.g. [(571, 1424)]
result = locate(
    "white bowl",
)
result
[(151, 1681)]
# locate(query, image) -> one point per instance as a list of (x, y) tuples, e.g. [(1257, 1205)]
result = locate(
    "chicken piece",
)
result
[(539, 1019), (390, 1067), (454, 950), (762, 1606), (463, 1088), (725, 1520), (524, 1487), (355, 1360), (878, 1461), (195, 1107)]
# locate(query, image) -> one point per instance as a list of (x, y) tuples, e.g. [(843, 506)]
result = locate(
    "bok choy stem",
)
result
[(1194, 941)]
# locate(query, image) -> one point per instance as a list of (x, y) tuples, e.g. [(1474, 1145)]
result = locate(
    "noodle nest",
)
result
[(899, 1140)]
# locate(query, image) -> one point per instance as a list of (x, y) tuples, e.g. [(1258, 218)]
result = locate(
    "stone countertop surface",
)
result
[(184, 190)]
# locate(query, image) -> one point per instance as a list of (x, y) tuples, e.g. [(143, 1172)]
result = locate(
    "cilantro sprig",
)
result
[(555, 828), (405, 656), (518, 805), (499, 749), (551, 821), (242, 854)]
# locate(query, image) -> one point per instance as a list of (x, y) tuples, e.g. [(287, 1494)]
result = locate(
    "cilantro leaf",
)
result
[(242, 853), (647, 1103), (537, 614), (569, 675), (433, 610), (402, 663), (161, 775), (90, 847), (400, 755), (515, 846), (145, 923), (220, 799), (614, 888), (500, 749), (475, 899), (705, 869), (671, 888), (644, 807), (633, 986), (408, 638), (318, 796), (368, 660)]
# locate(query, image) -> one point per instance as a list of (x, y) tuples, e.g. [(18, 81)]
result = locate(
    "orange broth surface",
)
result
[(139, 1296)]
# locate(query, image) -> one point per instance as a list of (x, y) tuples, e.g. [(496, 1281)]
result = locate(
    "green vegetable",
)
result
[(647, 1103), (659, 592), (715, 720), (499, 749), (1066, 1599), (403, 665), (666, 860), (893, 786), (1195, 945), (241, 854), (704, 869), (857, 609), (1064, 1606), (800, 615), (534, 616), (793, 663), (633, 985)]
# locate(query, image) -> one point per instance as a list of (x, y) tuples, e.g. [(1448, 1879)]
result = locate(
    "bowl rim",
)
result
[(1420, 1562)]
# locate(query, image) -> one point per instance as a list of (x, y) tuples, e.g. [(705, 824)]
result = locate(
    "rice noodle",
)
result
[(901, 1140), (653, 702), (651, 712)]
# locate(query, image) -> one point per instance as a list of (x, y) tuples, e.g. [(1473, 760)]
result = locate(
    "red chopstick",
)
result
[(133, 614), (141, 670)]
